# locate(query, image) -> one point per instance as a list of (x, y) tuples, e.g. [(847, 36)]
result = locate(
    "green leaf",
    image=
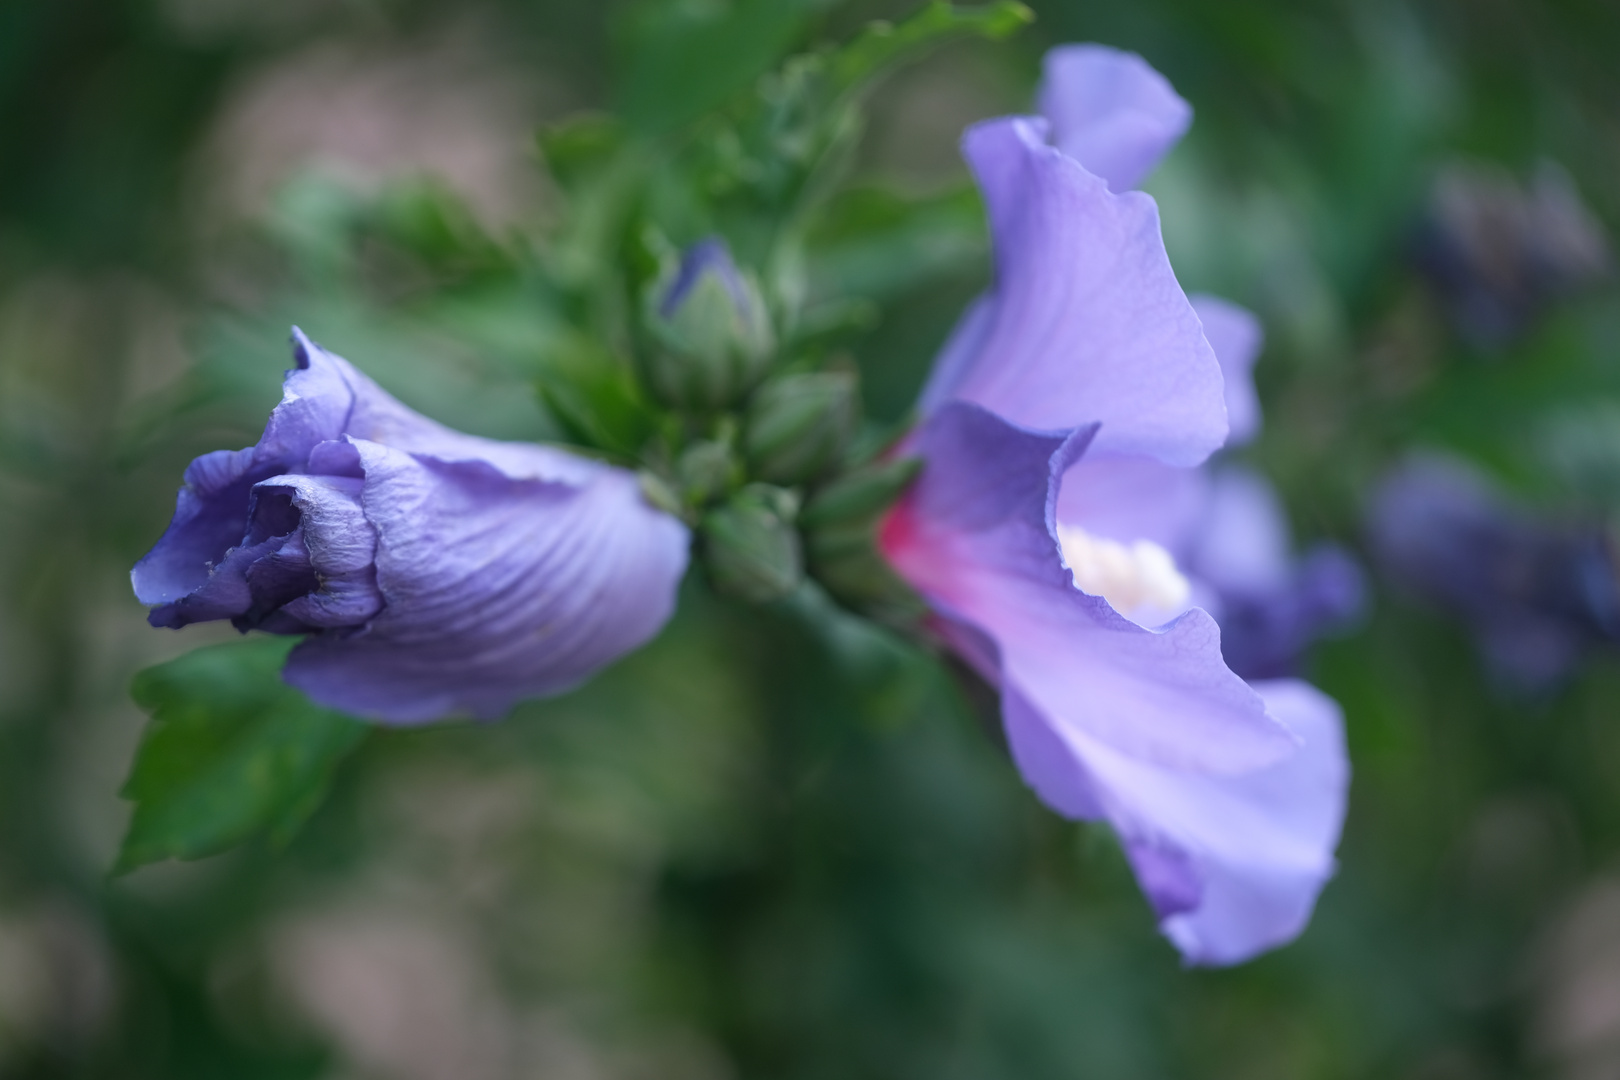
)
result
[(882, 45), (232, 753), (580, 147), (594, 397), (683, 59), (879, 243)]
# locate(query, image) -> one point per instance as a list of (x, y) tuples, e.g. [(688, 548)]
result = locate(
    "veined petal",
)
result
[(373, 414), (210, 515), (1111, 111), (438, 573), (1086, 322), (959, 354), (975, 536), (496, 587)]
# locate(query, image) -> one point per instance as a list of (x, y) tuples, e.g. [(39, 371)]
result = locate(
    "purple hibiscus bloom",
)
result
[(434, 573), (1064, 424)]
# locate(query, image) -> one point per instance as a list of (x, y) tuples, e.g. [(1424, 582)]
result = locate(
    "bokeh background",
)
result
[(753, 850)]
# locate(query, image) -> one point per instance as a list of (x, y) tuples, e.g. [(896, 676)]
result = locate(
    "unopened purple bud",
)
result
[(434, 573), (712, 333)]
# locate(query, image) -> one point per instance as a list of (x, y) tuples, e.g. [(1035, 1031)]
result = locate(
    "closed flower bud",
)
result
[(840, 535), (712, 334), (798, 425), (707, 469), (751, 545), (430, 573)]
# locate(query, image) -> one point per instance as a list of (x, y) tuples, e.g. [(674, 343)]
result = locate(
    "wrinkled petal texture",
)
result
[(1086, 323), (1111, 112), (496, 588), (437, 573)]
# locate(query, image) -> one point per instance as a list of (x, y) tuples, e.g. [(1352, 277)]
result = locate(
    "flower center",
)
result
[(1139, 579)]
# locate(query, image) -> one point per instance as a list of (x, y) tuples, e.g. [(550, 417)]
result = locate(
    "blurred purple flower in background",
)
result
[(435, 573), (1064, 425), (1537, 594), (1271, 606), (1499, 254)]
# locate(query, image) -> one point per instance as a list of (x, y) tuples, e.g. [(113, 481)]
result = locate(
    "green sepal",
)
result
[(706, 470), (840, 525), (714, 345), (798, 425), (751, 547), (844, 558), (232, 753), (860, 495)]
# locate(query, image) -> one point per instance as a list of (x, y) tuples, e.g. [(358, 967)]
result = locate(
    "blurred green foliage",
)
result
[(787, 849)]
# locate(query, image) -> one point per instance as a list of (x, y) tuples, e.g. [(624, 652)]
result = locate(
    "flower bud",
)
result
[(798, 425), (707, 469), (751, 547), (430, 573), (711, 330), (840, 524)]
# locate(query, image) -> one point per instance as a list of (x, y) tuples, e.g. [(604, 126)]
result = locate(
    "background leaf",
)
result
[(232, 753), (681, 60)]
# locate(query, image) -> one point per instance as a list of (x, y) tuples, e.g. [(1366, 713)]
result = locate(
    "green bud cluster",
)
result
[(723, 379), (751, 429), (797, 426)]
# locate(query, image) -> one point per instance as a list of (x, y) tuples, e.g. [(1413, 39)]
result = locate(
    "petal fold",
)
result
[(975, 536), (1086, 322), (1111, 111)]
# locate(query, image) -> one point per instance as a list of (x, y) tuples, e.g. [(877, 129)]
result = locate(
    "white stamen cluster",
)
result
[(1139, 579)]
